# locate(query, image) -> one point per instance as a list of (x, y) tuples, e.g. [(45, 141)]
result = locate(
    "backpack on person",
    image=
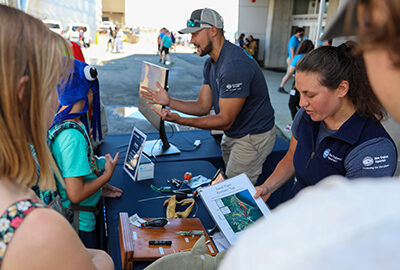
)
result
[(53, 199)]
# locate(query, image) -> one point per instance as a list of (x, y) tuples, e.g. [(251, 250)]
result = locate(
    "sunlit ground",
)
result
[(98, 53)]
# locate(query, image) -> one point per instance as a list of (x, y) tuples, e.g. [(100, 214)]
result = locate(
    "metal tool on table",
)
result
[(178, 183), (161, 189), (191, 233), (179, 197)]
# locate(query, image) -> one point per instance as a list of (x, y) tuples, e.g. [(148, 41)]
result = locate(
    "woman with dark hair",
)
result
[(340, 224), (337, 132)]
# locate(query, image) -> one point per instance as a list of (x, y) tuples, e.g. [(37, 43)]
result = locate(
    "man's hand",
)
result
[(155, 97), (263, 192), (167, 115), (110, 191)]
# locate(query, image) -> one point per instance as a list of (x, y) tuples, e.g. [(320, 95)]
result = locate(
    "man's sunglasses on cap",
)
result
[(196, 23)]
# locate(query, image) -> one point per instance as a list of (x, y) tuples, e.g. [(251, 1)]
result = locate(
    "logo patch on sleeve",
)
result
[(368, 161), (375, 163), (232, 87)]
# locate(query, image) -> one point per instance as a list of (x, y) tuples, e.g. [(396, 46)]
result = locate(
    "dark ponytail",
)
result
[(335, 64), (305, 46)]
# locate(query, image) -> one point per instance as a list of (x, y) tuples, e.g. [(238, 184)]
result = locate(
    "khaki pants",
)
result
[(247, 154)]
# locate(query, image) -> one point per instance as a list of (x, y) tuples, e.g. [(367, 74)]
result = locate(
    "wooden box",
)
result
[(134, 241)]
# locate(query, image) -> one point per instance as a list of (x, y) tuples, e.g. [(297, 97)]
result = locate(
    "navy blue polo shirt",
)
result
[(237, 74), (359, 148)]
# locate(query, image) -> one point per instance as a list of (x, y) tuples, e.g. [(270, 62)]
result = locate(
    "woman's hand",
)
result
[(263, 192)]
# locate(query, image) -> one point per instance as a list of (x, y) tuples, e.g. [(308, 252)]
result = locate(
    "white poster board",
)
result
[(232, 206), (134, 153)]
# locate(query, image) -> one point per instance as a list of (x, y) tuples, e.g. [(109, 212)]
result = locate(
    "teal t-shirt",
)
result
[(69, 150), (167, 41)]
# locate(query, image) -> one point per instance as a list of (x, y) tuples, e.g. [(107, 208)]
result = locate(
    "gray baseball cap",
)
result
[(203, 18), (345, 23)]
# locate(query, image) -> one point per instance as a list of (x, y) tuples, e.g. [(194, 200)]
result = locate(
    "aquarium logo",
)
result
[(326, 153), (368, 161)]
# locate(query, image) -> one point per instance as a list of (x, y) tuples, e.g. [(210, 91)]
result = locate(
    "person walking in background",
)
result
[(33, 236), (165, 45), (159, 39), (80, 33), (293, 44), (82, 40), (240, 41), (251, 46), (119, 35), (173, 39), (110, 42), (305, 47)]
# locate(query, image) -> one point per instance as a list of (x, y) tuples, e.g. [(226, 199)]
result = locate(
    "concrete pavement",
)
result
[(119, 76)]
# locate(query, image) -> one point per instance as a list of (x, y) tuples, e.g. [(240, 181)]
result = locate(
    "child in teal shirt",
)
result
[(166, 44), (84, 174)]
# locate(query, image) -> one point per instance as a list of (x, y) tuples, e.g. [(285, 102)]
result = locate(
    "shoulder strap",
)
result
[(58, 128), (52, 134), (12, 219), (45, 196)]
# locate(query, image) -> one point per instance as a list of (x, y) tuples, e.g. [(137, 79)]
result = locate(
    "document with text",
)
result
[(232, 206)]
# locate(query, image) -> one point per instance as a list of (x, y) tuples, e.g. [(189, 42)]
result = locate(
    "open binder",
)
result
[(232, 206)]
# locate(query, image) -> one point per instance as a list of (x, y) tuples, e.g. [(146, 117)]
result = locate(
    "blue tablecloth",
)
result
[(209, 151), (205, 160)]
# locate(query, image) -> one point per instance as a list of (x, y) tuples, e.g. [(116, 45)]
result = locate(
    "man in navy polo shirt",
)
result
[(235, 85)]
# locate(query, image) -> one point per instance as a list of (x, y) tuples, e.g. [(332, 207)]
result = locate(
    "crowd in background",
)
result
[(115, 40)]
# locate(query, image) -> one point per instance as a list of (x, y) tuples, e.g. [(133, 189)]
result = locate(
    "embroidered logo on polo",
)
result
[(368, 161), (375, 163), (232, 87), (326, 153), (331, 157)]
